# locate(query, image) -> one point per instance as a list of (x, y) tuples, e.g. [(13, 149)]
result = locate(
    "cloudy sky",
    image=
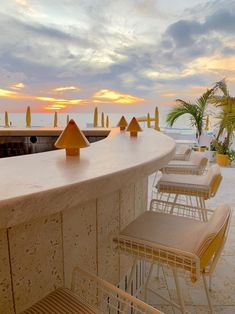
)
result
[(72, 55)]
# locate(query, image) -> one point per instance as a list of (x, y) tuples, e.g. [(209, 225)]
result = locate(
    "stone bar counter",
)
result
[(57, 212)]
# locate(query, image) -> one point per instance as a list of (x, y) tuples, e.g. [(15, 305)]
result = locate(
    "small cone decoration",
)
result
[(122, 123), (95, 123), (67, 118), (102, 120), (148, 121), (134, 127), (107, 122), (28, 117), (6, 120), (207, 123), (157, 128), (72, 139), (55, 120)]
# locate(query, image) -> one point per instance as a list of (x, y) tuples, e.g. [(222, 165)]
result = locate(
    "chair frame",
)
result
[(195, 197), (155, 253), (105, 297)]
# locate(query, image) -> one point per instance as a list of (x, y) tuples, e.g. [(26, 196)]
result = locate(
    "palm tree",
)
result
[(227, 114), (195, 110)]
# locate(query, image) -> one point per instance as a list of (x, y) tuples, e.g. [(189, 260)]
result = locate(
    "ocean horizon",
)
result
[(85, 119)]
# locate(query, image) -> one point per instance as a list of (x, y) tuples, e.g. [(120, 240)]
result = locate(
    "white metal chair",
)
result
[(181, 243), (194, 188), (195, 165), (90, 294)]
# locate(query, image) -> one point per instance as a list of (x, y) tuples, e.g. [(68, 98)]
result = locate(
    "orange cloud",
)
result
[(61, 100), (114, 97), (8, 94), (66, 88), (106, 96)]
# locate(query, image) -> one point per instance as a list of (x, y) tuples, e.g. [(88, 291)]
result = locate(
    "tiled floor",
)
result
[(223, 284)]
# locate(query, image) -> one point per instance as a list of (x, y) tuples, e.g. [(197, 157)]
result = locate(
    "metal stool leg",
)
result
[(147, 281), (179, 292), (207, 293)]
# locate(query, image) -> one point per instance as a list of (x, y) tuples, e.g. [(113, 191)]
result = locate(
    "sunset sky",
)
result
[(72, 55)]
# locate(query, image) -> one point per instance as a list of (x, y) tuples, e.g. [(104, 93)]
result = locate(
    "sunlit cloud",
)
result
[(4, 93), (114, 97), (161, 74), (27, 8), (66, 88), (211, 63), (60, 100), (8, 94), (152, 52), (18, 86)]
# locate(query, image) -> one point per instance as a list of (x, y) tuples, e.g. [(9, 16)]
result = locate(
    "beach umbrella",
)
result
[(102, 120), (6, 120), (72, 139), (95, 123), (207, 123), (148, 121), (122, 124), (107, 121), (134, 127), (55, 120), (67, 118), (157, 128), (28, 117)]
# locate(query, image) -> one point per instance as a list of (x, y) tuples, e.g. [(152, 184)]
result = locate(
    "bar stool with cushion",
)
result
[(197, 189), (181, 243), (90, 294), (195, 165), (183, 152)]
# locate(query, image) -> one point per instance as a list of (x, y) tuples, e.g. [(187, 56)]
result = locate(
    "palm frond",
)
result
[(222, 85), (182, 109)]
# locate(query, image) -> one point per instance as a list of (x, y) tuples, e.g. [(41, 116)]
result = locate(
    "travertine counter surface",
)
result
[(57, 212)]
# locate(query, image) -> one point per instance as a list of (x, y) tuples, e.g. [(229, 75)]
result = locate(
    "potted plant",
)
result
[(224, 153), (226, 118)]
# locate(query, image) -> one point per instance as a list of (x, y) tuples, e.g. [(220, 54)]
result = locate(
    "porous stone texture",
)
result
[(6, 300), (36, 260), (141, 196), (79, 235), (44, 252), (107, 227)]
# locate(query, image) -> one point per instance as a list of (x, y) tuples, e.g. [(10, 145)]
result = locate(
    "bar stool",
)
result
[(195, 165), (195, 189), (178, 242), (89, 294), (183, 152)]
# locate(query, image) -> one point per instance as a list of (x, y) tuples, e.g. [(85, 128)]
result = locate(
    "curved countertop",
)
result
[(41, 184)]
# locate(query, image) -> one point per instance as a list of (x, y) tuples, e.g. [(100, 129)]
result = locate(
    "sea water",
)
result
[(85, 120)]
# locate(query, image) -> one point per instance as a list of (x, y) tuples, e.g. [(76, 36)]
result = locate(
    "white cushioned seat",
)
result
[(190, 184), (183, 152), (195, 165), (60, 301), (174, 232)]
